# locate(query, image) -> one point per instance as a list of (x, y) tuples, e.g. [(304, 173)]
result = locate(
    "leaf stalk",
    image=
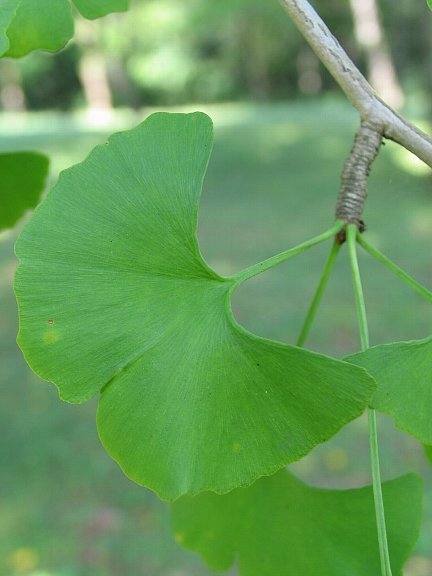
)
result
[(256, 269), (419, 288), (352, 237), (327, 270)]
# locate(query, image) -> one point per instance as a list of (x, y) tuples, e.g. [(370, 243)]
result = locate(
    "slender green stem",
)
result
[(378, 496), (386, 570), (358, 289), (310, 317), (278, 258), (395, 269)]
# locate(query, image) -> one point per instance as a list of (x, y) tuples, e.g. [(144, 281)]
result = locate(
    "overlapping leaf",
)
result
[(403, 372), (27, 25), (114, 296), (7, 13), (279, 526), (22, 179), (93, 9)]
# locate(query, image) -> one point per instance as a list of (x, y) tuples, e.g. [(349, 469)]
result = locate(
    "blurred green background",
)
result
[(282, 133)]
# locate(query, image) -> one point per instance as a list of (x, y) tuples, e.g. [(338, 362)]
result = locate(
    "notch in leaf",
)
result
[(114, 296), (280, 526)]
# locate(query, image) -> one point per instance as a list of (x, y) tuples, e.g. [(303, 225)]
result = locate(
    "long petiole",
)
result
[(278, 258), (310, 317), (395, 269), (352, 235)]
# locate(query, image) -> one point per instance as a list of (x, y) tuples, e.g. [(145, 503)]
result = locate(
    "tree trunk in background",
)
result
[(309, 79), (370, 36), (94, 80), (93, 74), (12, 97), (255, 62)]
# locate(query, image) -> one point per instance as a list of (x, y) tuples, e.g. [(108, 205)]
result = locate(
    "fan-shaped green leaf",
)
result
[(115, 296), (403, 372), (22, 179), (279, 526), (27, 25)]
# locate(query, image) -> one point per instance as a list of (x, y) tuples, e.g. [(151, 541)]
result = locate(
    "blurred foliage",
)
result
[(51, 81), (166, 52)]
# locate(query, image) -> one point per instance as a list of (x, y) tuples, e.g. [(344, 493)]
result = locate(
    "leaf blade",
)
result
[(403, 372), (39, 25), (22, 180), (280, 527), (189, 399)]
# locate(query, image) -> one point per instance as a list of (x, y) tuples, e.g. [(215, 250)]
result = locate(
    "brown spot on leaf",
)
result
[(50, 337)]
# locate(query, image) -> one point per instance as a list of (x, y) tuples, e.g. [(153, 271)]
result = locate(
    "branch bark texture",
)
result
[(357, 89), (354, 180)]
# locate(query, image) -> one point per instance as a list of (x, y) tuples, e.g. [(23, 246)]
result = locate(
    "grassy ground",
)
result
[(65, 508)]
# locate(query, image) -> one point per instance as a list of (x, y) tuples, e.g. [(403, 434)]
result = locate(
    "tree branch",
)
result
[(357, 89)]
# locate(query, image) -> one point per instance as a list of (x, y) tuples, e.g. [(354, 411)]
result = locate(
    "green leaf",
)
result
[(280, 526), (97, 8), (429, 3), (115, 297), (27, 25), (39, 25), (22, 179), (403, 372), (428, 452), (7, 13)]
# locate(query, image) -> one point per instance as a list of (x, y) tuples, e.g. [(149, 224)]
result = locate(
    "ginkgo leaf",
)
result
[(114, 296), (39, 24), (280, 526), (22, 180), (403, 372), (27, 25)]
